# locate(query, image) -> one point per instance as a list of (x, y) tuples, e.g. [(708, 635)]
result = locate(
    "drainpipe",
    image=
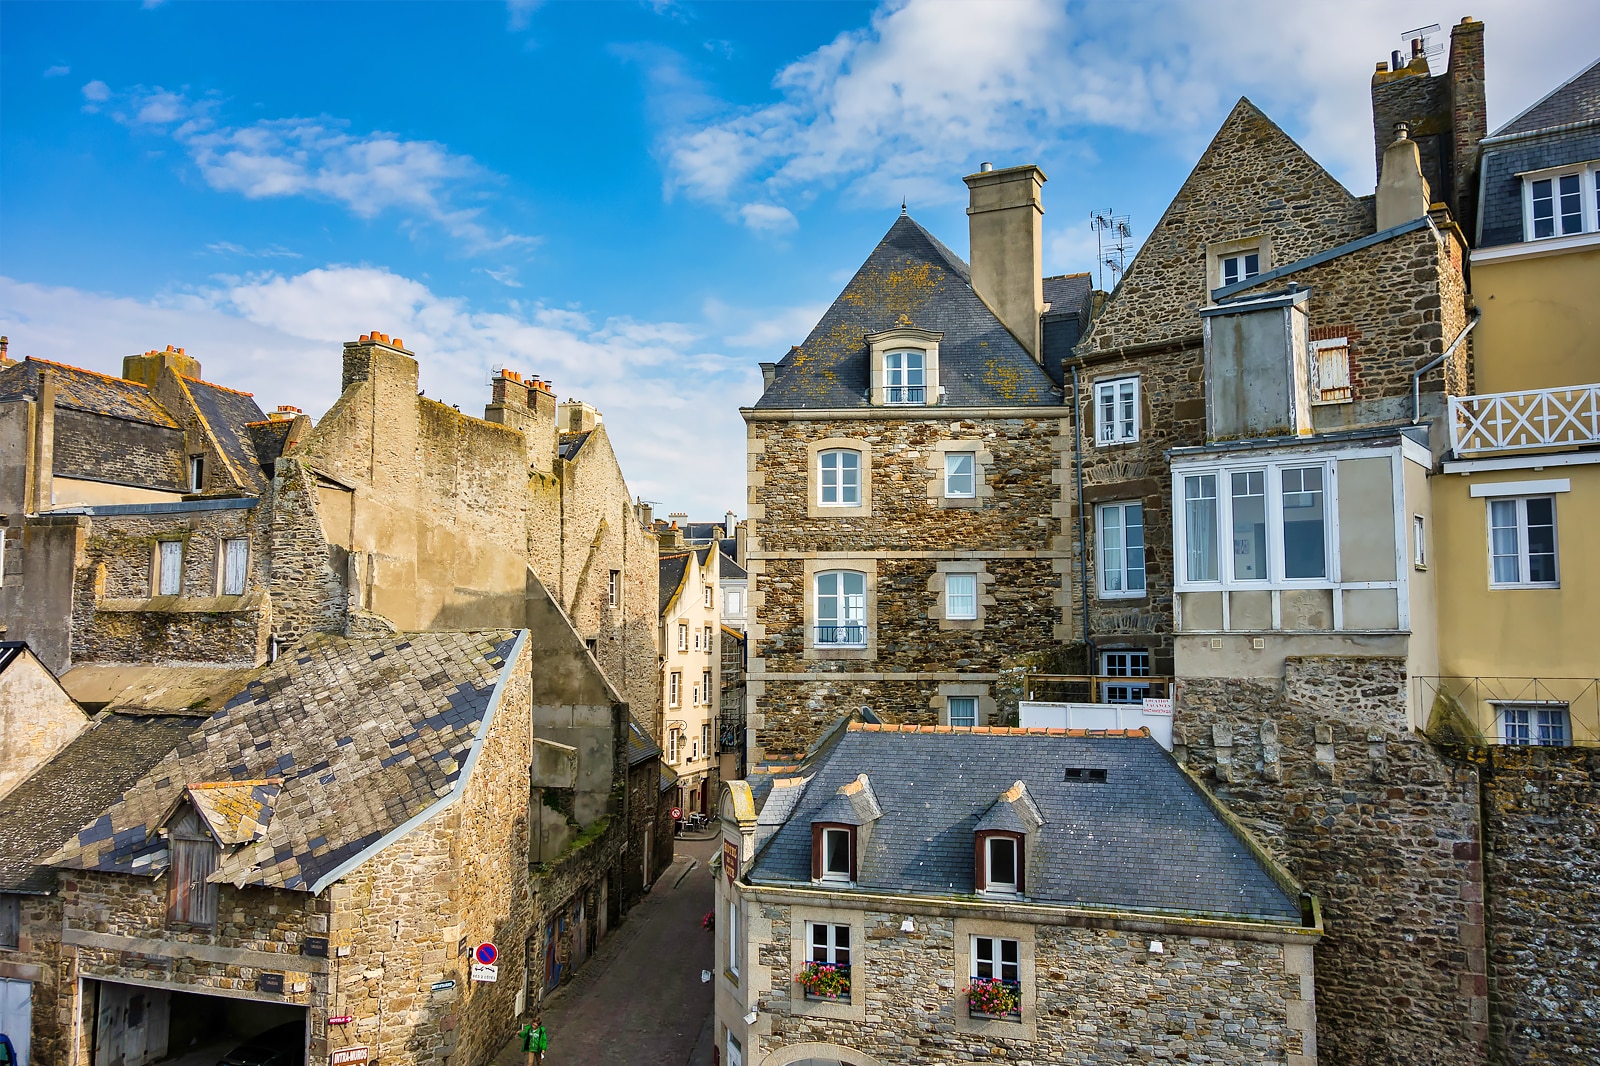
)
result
[(1077, 476), (1416, 379)]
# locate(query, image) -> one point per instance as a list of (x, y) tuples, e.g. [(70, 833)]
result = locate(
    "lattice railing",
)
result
[(1523, 421)]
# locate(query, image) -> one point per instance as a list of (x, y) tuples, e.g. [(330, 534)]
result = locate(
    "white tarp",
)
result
[(1039, 714)]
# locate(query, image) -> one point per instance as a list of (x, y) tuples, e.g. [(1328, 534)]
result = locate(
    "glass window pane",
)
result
[(838, 842), (1552, 726), (961, 596), (1571, 204), (963, 710), (1304, 522), (1541, 539), (1230, 270), (1252, 265), (1200, 526), (1111, 549), (1002, 861), (1544, 224), (1503, 551), (1249, 499), (1133, 540), (983, 957), (959, 474), (1108, 413)]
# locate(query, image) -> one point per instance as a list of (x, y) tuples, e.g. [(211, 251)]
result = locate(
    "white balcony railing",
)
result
[(1525, 421)]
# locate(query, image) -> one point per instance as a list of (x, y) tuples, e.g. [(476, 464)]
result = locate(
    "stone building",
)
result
[(935, 894), (906, 545), (37, 717), (691, 669)]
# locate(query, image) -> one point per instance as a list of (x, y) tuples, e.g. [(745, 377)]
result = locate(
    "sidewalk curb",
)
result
[(692, 864)]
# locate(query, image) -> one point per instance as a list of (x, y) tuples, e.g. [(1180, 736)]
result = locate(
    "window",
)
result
[(1117, 411), (707, 591), (614, 588), (235, 564), (960, 596), (1241, 267), (1522, 542), (705, 688), (1121, 549), (1133, 662), (683, 637), (672, 749), (708, 636), (840, 483), (735, 1049), (735, 601), (1249, 500), (1305, 541), (10, 921), (197, 473), (904, 377), (674, 689), (960, 475), (1541, 724), (829, 943), (842, 608), (836, 858), (1419, 541), (705, 738), (1200, 526), (1554, 203), (592, 645), (191, 899), (1332, 367), (1002, 864), (963, 710), (996, 959), (694, 750), (735, 916), (169, 568), (697, 640)]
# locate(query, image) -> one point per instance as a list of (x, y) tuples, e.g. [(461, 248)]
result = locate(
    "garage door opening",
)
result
[(135, 1025)]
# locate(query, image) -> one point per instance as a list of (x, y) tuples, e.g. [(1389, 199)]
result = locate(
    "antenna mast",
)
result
[(1112, 232), (1421, 42)]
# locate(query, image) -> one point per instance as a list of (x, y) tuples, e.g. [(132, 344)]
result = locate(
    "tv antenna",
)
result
[(1421, 41), (1112, 232)]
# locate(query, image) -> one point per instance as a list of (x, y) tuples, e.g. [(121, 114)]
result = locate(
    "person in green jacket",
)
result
[(535, 1041)]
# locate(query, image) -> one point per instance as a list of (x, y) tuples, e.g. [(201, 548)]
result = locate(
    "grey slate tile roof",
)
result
[(1069, 293), (728, 570), (568, 444), (67, 793), (672, 569), (269, 438), (1500, 207), (1576, 100), (85, 390), (640, 744), (910, 278), (228, 414), (365, 734), (1145, 839)]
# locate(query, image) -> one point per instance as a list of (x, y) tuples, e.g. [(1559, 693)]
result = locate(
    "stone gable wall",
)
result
[(1373, 821), (307, 576)]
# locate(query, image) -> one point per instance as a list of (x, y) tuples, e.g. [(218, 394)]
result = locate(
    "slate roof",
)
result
[(910, 278), (229, 413), (568, 444), (269, 438), (236, 812), (1575, 100), (1145, 839), (641, 746), (365, 735), (728, 570), (84, 778), (672, 570), (85, 390), (1500, 203), (1069, 294)]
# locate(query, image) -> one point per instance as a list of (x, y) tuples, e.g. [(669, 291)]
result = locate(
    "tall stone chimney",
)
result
[(1005, 220), (575, 416), (146, 369), (1403, 192)]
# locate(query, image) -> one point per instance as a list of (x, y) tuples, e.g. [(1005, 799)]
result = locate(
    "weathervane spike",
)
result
[(902, 205)]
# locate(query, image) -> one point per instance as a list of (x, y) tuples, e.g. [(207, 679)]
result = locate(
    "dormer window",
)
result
[(904, 367), (905, 378), (833, 855), (1001, 837), (1002, 855), (1562, 202)]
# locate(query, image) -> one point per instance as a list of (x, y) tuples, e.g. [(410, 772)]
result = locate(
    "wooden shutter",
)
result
[(190, 899), (1333, 370), (980, 864), (816, 851), (236, 556)]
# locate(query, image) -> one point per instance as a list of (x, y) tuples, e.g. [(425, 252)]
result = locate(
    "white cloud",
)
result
[(319, 158), (57, 71), (928, 89), (669, 404), (767, 218), (272, 251)]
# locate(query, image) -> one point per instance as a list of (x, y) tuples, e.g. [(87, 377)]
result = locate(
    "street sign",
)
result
[(482, 971), (341, 1019), (347, 1056), (677, 813), (730, 860), (443, 986), (486, 953), (1157, 706)]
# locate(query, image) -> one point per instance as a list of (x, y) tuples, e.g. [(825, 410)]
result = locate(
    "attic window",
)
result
[(1083, 773), (999, 863), (905, 378), (833, 853), (197, 471), (904, 366)]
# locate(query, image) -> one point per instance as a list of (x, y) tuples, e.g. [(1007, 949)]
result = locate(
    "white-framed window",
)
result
[(708, 636), (1419, 542), (962, 710), (672, 748), (905, 378), (697, 640), (707, 597), (1241, 266), (674, 688), (839, 480), (614, 588), (1279, 522), (960, 596), (705, 738), (841, 599), (735, 601), (197, 473), (169, 568), (1120, 663), (1522, 542), (1116, 405), (705, 687), (1332, 369), (683, 636), (836, 857), (1540, 724), (235, 565), (1001, 864), (735, 1049), (961, 475), (996, 958), (1121, 531), (828, 942), (1561, 202), (695, 691), (735, 917)]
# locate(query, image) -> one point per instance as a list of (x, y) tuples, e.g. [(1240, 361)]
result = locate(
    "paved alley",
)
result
[(640, 1000)]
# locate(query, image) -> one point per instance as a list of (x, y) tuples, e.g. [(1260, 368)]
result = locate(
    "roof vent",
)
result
[(984, 168), (1082, 773)]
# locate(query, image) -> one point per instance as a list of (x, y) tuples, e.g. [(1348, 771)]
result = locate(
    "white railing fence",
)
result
[(1524, 421)]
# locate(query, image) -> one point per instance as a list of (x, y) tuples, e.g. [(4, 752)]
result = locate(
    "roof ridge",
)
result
[(86, 370), (1073, 274), (1546, 98), (214, 385)]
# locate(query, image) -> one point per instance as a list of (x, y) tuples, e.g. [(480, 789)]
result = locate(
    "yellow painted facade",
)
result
[(1541, 320)]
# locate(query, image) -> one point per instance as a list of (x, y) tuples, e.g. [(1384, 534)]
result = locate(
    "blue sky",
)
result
[(640, 201)]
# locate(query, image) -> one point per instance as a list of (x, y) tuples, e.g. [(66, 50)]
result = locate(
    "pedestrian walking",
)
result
[(535, 1041)]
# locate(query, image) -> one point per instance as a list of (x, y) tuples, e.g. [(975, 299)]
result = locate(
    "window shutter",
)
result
[(1333, 371), (853, 877), (980, 866), (1022, 877), (816, 851)]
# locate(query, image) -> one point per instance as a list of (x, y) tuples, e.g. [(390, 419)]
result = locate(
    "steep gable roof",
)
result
[(228, 414), (1575, 100), (673, 569), (85, 390), (910, 278)]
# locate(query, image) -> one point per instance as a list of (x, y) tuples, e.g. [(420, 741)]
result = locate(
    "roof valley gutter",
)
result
[(448, 800), (1416, 379)]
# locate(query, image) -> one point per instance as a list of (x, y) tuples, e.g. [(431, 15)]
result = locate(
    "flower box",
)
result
[(994, 998), (824, 980)]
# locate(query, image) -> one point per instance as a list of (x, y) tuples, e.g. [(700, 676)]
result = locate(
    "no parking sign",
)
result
[(486, 953), (483, 967)]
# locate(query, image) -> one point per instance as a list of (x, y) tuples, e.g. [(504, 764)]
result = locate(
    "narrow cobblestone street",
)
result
[(640, 1001)]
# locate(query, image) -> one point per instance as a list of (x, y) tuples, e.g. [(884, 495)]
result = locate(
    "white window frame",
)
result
[(1123, 396), (708, 634), (707, 596), (705, 688), (1419, 542), (1002, 888), (683, 636), (697, 640), (705, 737), (1523, 561), (1124, 662), (971, 474), (1241, 259), (1122, 572), (672, 747), (613, 587), (847, 615), (735, 1049), (836, 875), (735, 601), (169, 568), (1530, 723), (830, 949), (969, 717), (1588, 175), (899, 388), (197, 473), (735, 913), (1272, 471), (1319, 357), (996, 961), (960, 596), (845, 493), (674, 688), (230, 587)]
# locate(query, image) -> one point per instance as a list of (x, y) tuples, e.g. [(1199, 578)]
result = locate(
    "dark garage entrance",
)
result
[(139, 1025)]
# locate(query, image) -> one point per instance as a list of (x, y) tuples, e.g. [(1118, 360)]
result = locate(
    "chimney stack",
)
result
[(575, 416), (1402, 190), (146, 369), (1005, 221)]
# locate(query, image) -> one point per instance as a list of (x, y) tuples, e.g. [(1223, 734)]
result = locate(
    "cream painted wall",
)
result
[(689, 608), (37, 719), (1540, 322), (75, 492)]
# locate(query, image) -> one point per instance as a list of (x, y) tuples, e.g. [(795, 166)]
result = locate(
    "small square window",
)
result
[(960, 596), (1116, 411), (963, 711), (960, 475)]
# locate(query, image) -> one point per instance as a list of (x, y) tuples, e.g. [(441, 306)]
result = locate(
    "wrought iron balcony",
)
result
[(845, 636), (1525, 421), (905, 394)]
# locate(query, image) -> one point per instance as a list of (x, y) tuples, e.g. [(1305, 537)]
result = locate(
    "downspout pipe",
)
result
[(1416, 379), (1077, 477)]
